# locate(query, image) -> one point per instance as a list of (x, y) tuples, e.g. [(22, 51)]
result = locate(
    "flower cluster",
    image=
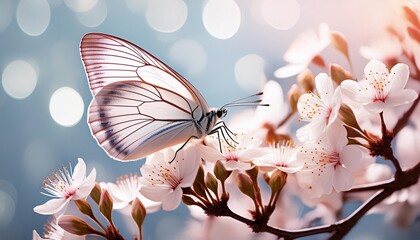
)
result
[(343, 124)]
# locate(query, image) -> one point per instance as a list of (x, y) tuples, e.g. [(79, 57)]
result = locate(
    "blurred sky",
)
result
[(44, 92)]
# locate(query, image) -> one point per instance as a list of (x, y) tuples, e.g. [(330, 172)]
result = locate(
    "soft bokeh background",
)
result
[(227, 49)]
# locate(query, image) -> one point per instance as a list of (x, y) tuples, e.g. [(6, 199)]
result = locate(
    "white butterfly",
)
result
[(141, 105)]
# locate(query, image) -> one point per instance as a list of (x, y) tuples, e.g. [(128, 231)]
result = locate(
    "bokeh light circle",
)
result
[(66, 106), (6, 14), (94, 16), (282, 14), (249, 72), (166, 15), (221, 18), (33, 16), (81, 5), (189, 54), (135, 6), (7, 208), (19, 79)]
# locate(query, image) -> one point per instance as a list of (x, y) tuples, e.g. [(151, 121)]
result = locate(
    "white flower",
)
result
[(320, 110), (52, 231), (407, 147), (303, 50), (125, 190), (66, 186), (380, 89), (282, 157), (164, 177), (329, 162), (235, 156)]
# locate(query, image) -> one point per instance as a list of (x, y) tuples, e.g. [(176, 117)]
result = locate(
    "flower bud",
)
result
[(95, 194), (75, 225), (411, 16), (347, 116), (253, 173), (84, 207), (306, 80), (293, 96), (105, 205), (245, 185), (211, 183), (277, 181), (188, 200), (138, 212), (220, 171), (339, 74), (340, 43)]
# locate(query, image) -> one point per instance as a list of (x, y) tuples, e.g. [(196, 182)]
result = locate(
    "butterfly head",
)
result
[(221, 113)]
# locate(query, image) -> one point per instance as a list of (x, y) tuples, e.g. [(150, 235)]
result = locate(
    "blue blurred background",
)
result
[(227, 49)]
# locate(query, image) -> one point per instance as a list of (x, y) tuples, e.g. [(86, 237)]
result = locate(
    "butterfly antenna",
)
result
[(240, 102)]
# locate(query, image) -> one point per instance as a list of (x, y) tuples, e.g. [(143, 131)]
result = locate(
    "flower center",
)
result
[(171, 179), (231, 157)]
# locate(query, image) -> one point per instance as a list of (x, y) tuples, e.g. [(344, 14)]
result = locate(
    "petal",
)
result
[(350, 157), (210, 154), (342, 180), (399, 76), (403, 96), (337, 136), (353, 90), (375, 70), (79, 172), (290, 70), (188, 165), (325, 88), (172, 200), (52, 206), (86, 187), (375, 107), (155, 193), (336, 103)]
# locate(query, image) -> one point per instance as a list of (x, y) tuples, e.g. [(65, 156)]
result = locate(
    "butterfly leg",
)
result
[(183, 145)]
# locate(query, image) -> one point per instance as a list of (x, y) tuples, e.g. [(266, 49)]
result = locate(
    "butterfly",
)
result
[(140, 105)]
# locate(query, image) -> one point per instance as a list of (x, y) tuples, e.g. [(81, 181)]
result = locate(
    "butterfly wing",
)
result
[(109, 59), (140, 104), (132, 119)]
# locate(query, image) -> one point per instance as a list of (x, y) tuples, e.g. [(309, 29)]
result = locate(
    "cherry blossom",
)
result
[(320, 110), (164, 177), (235, 156), (125, 190), (66, 186), (282, 157), (303, 50), (380, 89), (329, 162)]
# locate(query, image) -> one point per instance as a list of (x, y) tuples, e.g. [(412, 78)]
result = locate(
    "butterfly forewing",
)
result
[(140, 105)]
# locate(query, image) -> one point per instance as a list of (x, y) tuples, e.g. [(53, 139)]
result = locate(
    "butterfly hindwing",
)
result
[(132, 119)]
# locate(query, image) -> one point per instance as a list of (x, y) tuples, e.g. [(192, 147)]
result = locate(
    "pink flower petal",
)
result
[(398, 77), (324, 86), (403, 96), (172, 200), (375, 107), (53, 206), (188, 165), (86, 187), (342, 180), (290, 70), (79, 172), (375, 70), (350, 157), (336, 134), (155, 193)]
